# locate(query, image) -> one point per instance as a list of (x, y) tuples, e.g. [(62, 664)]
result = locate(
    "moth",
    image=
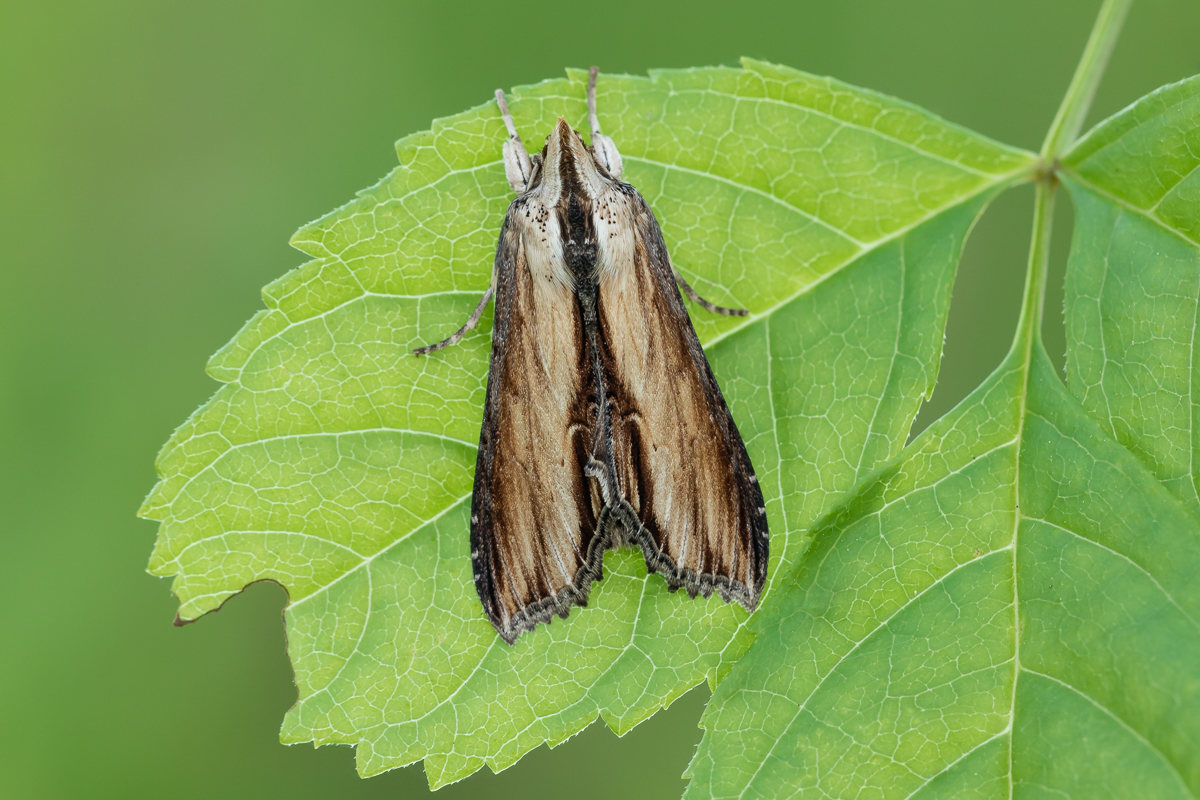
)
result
[(603, 424)]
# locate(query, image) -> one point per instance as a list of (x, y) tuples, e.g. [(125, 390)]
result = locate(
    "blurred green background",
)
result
[(154, 159)]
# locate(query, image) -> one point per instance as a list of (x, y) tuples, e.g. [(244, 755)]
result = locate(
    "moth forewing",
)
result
[(603, 423)]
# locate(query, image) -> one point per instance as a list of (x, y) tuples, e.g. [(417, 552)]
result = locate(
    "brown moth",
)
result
[(603, 425)]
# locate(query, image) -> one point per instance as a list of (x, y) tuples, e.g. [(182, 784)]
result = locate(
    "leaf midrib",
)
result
[(752, 318), (745, 187), (873, 131)]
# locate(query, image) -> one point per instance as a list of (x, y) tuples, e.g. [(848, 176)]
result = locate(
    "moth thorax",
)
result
[(579, 251)]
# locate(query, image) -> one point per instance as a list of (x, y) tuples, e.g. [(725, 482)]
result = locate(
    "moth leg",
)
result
[(457, 336), (517, 166), (700, 301), (606, 148)]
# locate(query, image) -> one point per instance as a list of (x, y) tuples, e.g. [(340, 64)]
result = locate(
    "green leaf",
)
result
[(339, 465), (1133, 281), (1007, 609)]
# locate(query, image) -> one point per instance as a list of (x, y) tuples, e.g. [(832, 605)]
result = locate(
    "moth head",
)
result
[(570, 166)]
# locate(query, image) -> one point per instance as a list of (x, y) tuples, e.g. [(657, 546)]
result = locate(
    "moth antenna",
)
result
[(457, 336), (504, 113), (706, 305), (517, 166), (593, 120), (606, 148)]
